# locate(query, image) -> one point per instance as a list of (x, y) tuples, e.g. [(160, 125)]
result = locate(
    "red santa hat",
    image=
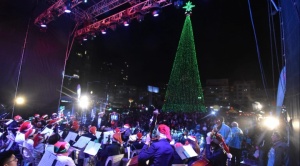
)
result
[(117, 130), (37, 139), (25, 126), (139, 135), (126, 126), (30, 132), (165, 130), (17, 118), (37, 115), (117, 137), (93, 130), (75, 125), (61, 147)]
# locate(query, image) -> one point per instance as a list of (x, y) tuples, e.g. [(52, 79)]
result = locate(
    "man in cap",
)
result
[(159, 153)]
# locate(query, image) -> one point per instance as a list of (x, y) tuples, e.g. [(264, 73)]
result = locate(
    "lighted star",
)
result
[(188, 6)]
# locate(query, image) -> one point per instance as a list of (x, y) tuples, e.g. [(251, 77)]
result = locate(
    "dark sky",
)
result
[(223, 35)]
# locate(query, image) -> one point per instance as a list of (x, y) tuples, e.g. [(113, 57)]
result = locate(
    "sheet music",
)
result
[(9, 122), (92, 148), (98, 134), (47, 131), (105, 135), (60, 133), (186, 151), (81, 143), (47, 159), (71, 136)]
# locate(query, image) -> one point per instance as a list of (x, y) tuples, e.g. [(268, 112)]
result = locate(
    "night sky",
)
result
[(223, 35)]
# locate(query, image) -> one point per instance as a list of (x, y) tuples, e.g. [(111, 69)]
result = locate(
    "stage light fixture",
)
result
[(103, 31), (126, 22), (68, 7), (43, 24), (84, 38), (155, 9)]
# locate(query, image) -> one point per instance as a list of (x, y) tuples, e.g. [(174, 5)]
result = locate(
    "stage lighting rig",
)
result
[(56, 10), (144, 7)]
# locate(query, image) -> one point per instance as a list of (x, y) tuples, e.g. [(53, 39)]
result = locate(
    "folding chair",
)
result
[(115, 160)]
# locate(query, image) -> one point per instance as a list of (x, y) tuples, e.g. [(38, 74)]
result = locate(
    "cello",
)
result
[(134, 160)]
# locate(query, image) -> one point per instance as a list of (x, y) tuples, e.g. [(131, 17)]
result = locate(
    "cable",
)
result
[(271, 28), (69, 47), (257, 50), (20, 69)]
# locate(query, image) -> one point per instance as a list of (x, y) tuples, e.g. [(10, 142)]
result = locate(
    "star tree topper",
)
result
[(188, 7)]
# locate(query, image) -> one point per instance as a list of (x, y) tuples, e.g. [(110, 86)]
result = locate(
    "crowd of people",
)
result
[(155, 136)]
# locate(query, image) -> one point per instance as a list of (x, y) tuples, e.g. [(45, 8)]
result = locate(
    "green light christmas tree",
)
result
[(184, 92)]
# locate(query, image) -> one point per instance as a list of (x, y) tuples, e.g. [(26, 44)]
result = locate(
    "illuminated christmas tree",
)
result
[(184, 92)]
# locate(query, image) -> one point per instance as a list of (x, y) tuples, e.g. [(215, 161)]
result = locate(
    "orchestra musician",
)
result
[(91, 134), (24, 128), (14, 125), (216, 150), (114, 118), (100, 122), (61, 150), (112, 149), (160, 152), (192, 141), (126, 133), (138, 144), (39, 147)]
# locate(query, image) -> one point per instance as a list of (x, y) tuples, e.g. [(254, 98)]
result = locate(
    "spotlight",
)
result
[(85, 1), (155, 9), (103, 31), (43, 24), (84, 38), (271, 122), (126, 22), (84, 102), (20, 100), (68, 7)]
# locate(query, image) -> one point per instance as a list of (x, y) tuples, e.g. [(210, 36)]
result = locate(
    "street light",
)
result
[(20, 100), (130, 101)]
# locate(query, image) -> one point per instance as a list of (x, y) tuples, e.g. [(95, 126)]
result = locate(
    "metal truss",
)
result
[(56, 10), (89, 15), (129, 13)]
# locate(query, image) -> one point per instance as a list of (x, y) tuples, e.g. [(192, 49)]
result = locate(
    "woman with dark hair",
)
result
[(53, 139), (8, 159)]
